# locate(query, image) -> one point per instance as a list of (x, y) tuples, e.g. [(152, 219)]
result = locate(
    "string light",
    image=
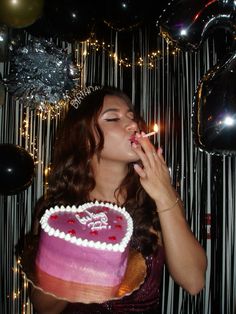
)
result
[(46, 174), (93, 45)]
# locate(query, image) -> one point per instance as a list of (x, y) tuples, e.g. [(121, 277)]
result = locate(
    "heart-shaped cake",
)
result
[(87, 244)]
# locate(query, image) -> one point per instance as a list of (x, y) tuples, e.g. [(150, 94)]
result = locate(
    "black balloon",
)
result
[(188, 23), (16, 169), (214, 109)]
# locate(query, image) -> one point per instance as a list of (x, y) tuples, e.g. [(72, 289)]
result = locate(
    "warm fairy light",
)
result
[(46, 171), (24, 307), (15, 269), (155, 130), (115, 57), (16, 294), (94, 45)]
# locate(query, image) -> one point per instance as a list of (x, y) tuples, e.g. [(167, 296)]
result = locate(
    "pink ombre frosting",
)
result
[(88, 244)]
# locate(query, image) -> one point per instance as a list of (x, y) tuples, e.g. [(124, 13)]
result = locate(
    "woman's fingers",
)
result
[(142, 155), (152, 159), (152, 170), (146, 151), (140, 171)]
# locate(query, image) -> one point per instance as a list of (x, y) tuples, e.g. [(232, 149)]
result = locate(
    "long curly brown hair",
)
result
[(71, 179)]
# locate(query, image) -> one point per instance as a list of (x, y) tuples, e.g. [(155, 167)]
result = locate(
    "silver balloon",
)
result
[(214, 109), (228, 3), (188, 23)]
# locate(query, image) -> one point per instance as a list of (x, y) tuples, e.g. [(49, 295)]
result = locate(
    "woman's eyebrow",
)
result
[(110, 109), (115, 110)]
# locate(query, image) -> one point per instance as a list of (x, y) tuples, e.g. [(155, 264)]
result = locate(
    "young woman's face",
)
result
[(116, 121)]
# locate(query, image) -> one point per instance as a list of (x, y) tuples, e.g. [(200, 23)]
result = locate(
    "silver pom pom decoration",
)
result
[(41, 75)]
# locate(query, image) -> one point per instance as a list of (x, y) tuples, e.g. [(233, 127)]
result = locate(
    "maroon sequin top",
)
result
[(144, 300)]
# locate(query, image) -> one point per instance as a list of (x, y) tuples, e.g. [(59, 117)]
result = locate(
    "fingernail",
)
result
[(160, 150)]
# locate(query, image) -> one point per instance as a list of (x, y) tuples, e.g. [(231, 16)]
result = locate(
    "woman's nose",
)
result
[(132, 126)]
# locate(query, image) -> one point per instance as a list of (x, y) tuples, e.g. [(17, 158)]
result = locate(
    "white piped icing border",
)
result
[(118, 247)]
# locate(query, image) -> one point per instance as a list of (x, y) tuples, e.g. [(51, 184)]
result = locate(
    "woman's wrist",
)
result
[(173, 206)]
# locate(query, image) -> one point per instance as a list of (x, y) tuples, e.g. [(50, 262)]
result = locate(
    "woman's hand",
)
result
[(154, 173)]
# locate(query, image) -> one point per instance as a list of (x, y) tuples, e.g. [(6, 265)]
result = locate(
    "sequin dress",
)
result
[(144, 300)]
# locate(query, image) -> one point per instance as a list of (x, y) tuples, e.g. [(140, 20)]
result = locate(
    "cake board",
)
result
[(76, 292)]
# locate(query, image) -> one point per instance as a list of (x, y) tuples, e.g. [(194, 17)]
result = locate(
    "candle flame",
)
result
[(155, 128)]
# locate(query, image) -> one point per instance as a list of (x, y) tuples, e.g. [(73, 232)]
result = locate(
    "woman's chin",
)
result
[(133, 157)]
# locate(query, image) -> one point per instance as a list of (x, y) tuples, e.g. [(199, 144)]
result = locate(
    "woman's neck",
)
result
[(108, 177)]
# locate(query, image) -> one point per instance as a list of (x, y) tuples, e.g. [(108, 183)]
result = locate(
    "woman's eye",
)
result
[(112, 119)]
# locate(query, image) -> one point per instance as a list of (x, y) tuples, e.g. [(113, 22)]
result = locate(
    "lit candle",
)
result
[(155, 130)]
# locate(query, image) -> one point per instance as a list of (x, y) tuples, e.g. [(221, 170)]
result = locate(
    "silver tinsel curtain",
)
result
[(161, 81)]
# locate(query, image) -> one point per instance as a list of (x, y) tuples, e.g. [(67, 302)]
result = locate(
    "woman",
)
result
[(101, 154)]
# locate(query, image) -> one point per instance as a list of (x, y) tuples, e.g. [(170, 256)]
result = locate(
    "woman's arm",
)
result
[(44, 303), (186, 259)]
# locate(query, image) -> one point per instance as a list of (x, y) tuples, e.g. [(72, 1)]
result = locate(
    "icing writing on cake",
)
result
[(93, 221)]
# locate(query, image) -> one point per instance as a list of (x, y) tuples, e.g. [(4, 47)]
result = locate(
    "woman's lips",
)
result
[(133, 139)]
